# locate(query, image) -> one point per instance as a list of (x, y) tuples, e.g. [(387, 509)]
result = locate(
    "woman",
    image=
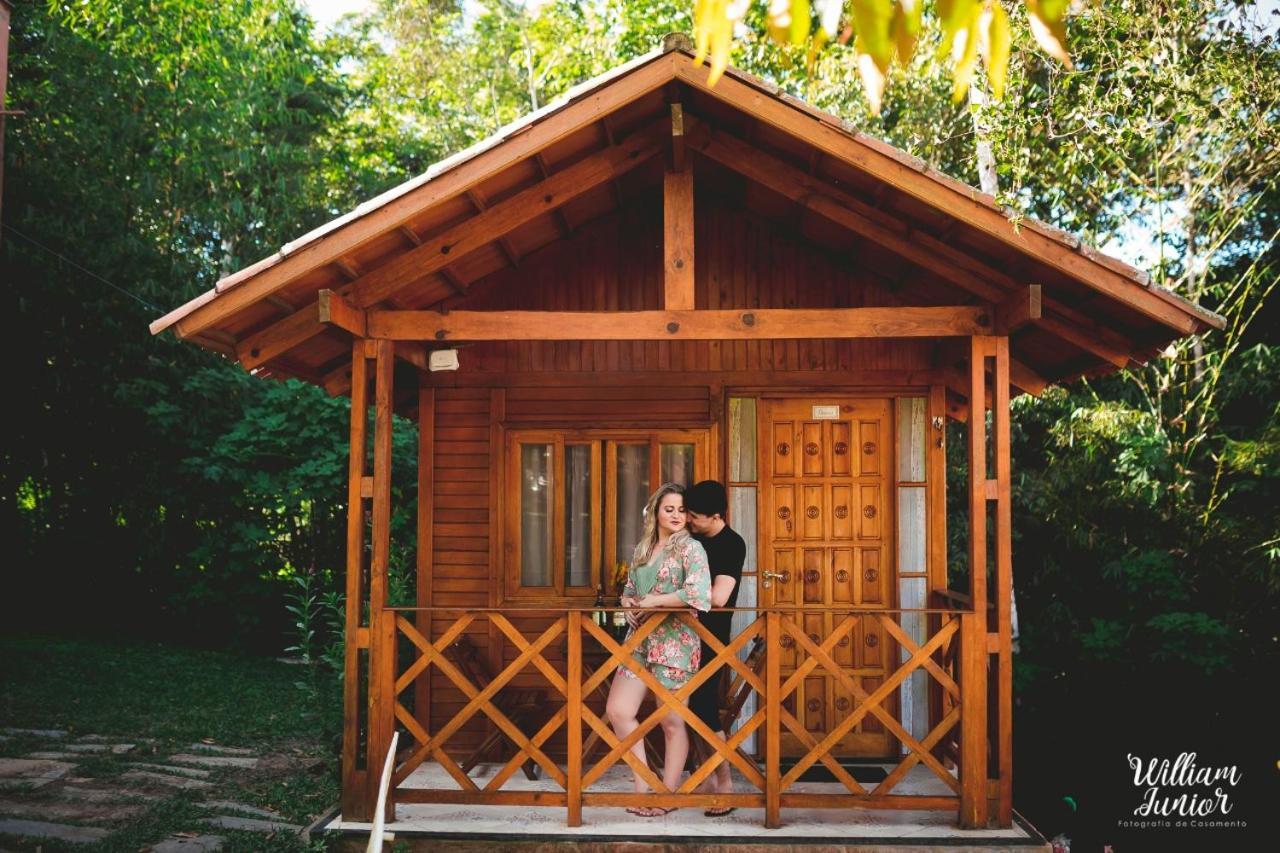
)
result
[(669, 569)]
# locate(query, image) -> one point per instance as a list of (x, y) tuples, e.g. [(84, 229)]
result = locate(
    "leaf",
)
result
[(996, 42), (873, 19), (1048, 25), (904, 29), (800, 22), (828, 17), (778, 20), (873, 77), (953, 15), (713, 25), (702, 12), (964, 50)]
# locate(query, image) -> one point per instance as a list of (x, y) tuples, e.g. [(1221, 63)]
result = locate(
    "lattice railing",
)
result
[(574, 780)]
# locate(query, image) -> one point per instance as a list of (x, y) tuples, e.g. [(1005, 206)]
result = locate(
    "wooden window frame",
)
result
[(604, 444)]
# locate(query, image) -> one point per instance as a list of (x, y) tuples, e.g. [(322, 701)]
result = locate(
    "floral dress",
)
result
[(672, 650)]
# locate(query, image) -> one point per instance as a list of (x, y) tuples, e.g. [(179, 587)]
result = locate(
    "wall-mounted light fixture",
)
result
[(443, 359)]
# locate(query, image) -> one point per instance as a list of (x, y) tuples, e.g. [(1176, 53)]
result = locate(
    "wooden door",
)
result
[(826, 529)]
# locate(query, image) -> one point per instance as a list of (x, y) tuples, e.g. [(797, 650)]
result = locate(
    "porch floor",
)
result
[(843, 827)]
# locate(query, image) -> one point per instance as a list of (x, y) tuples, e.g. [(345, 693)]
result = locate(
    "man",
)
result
[(705, 506)]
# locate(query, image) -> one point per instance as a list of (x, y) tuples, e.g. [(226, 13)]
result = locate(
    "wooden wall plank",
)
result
[(622, 255)]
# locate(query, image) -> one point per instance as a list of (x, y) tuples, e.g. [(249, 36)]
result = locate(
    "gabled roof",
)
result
[(1100, 313)]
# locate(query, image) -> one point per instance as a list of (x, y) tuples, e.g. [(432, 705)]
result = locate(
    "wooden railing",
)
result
[(952, 649)]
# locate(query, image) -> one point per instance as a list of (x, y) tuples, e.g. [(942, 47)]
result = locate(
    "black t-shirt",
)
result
[(726, 552)]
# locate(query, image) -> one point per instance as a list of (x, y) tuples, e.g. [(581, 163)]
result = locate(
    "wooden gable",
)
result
[(563, 211)]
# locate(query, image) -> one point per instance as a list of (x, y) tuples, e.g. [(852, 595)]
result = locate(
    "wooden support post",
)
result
[(973, 723), (677, 138), (772, 720), (1004, 586), (425, 537), (936, 501), (973, 664), (677, 240), (354, 770), (382, 631), (574, 731)]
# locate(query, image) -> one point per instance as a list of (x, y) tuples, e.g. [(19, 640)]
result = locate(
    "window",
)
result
[(575, 502)]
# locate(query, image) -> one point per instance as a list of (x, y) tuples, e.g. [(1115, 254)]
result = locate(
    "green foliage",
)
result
[(165, 144), (178, 697), (168, 143)]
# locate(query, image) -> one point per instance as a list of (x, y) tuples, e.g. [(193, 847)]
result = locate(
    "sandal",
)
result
[(720, 812), (649, 811)]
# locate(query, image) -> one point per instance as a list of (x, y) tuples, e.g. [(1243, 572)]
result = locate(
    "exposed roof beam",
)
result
[(936, 190), (347, 268), (1018, 308), (957, 405), (336, 311), (918, 247), (434, 254), (953, 358), (271, 274), (481, 205), (957, 381), (566, 227), (607, 129), (733, 324), (338, 380), (451, 278), (282, 304)]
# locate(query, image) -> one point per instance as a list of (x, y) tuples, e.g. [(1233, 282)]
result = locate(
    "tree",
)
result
[(164, 143)]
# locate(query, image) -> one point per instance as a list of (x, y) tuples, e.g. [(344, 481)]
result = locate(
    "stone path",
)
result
[(189, 772), (215, 760), (251, 824), (145, 777), (62, 832), (44, 733), (25, 773), (41, 789), (189, 844)]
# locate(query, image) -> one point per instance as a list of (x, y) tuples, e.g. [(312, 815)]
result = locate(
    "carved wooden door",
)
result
[(826, 532)]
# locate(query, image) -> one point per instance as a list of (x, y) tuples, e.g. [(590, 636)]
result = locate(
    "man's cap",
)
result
[(707, 498)]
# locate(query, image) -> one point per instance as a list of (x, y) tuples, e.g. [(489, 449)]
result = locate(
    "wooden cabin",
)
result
[(655, 279)]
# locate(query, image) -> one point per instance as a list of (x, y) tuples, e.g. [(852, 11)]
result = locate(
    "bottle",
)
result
[(599, 616), (620, 625)]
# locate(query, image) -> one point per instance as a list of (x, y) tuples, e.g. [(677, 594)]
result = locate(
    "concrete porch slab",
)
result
[(427, 826)]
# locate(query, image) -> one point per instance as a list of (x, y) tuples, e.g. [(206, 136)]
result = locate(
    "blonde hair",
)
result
[(649, 537)]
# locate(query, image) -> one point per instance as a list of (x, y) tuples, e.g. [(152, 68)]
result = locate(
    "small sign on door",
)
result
[(826, 413)]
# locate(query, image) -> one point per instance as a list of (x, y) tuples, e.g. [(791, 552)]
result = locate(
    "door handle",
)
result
[(769, 577)]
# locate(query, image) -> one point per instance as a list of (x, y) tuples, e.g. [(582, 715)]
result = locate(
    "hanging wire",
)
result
[(82, 269)]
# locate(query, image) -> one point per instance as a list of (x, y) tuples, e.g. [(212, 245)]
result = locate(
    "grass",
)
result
[(174, 697)]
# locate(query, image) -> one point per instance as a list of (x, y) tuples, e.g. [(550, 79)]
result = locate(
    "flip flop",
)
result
[(650, 811), (720, 812)]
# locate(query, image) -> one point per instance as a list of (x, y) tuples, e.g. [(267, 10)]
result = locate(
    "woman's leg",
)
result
[(723, 777), (677, 737), (625, 695)]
